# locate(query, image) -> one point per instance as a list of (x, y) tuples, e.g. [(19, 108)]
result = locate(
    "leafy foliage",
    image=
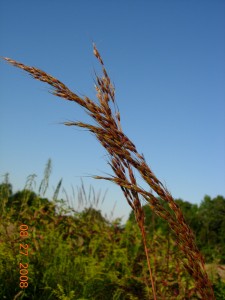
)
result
[(82, 255), (206, 220)]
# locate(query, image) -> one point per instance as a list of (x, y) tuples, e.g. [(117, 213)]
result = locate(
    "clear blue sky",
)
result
[(167, 60)]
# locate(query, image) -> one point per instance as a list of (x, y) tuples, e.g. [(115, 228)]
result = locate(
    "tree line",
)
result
[(207, 220)]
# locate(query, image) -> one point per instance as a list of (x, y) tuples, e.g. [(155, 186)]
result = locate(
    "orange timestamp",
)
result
[(23, 251)]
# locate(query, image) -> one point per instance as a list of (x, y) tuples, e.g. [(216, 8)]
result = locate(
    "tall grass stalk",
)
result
[(124, 159)]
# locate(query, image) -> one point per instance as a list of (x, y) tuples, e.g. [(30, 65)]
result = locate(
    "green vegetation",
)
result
[(82, 255), (206, 220)]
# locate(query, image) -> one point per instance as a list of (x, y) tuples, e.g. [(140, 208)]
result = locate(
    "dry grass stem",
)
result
[(123, 159)]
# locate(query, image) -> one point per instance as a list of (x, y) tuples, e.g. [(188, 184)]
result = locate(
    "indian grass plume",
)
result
[(124, 159)]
